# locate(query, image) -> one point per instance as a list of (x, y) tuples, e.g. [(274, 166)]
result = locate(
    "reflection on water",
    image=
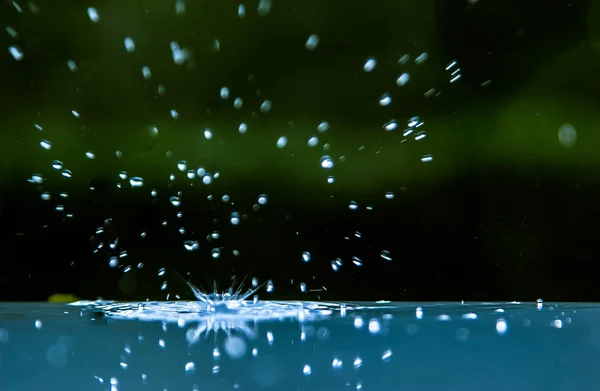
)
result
[(299, 346)]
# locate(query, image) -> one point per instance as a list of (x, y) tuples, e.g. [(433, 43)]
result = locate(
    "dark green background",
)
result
[(504, 211)]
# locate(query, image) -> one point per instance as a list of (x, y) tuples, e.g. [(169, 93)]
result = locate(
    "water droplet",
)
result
[(306, 257), (191, 245), (207, 179), (312, 42), (282, 142), (67, 173), (90, 155), (414, 121), (57, 165), (146, 73), (391, 125), (235, 218), (422, 58), (72, 66), (306, 370), (402, 80), (179, 11), (266, 106), (389, 195), (262, 199), (241, 11), (353, 205), (420, 136), (175, 201), (215, 253), (238, 103), (370, 64), (113, 261), (270, 286), (93, 14), (323, 127), (16, 53), (336, 264), (36, 178), (313, 141), (387, 356), (326, 162), (501, 326), (264, 7), (235, 347), (567, 135), (46, 144), (337, 363), (243, 128), (129, 44), (182, 165), (190, 367), (385, 99), (12, 32), (208, 134), (386, 255), (404, 59), (136, 181), (224, 93)]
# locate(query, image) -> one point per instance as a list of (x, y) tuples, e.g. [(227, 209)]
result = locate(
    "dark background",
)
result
[(505, 211)]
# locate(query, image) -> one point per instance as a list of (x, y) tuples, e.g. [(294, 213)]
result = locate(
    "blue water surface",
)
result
[(299, 346)]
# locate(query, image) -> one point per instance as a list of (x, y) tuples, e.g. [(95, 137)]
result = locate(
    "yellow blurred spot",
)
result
[(62, 298)]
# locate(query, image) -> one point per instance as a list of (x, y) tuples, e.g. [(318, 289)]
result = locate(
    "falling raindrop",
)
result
[(136, 181), (266, 106), (93, 14), (224, 93), (306, 257), (386, 255), (282, 142), (264, 7), (323, 127), (369, 64), (46, 144), (312, 42), (129, 44), (326, 162), (262, 199), (385, 99), (191, 245), (402, 80)]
